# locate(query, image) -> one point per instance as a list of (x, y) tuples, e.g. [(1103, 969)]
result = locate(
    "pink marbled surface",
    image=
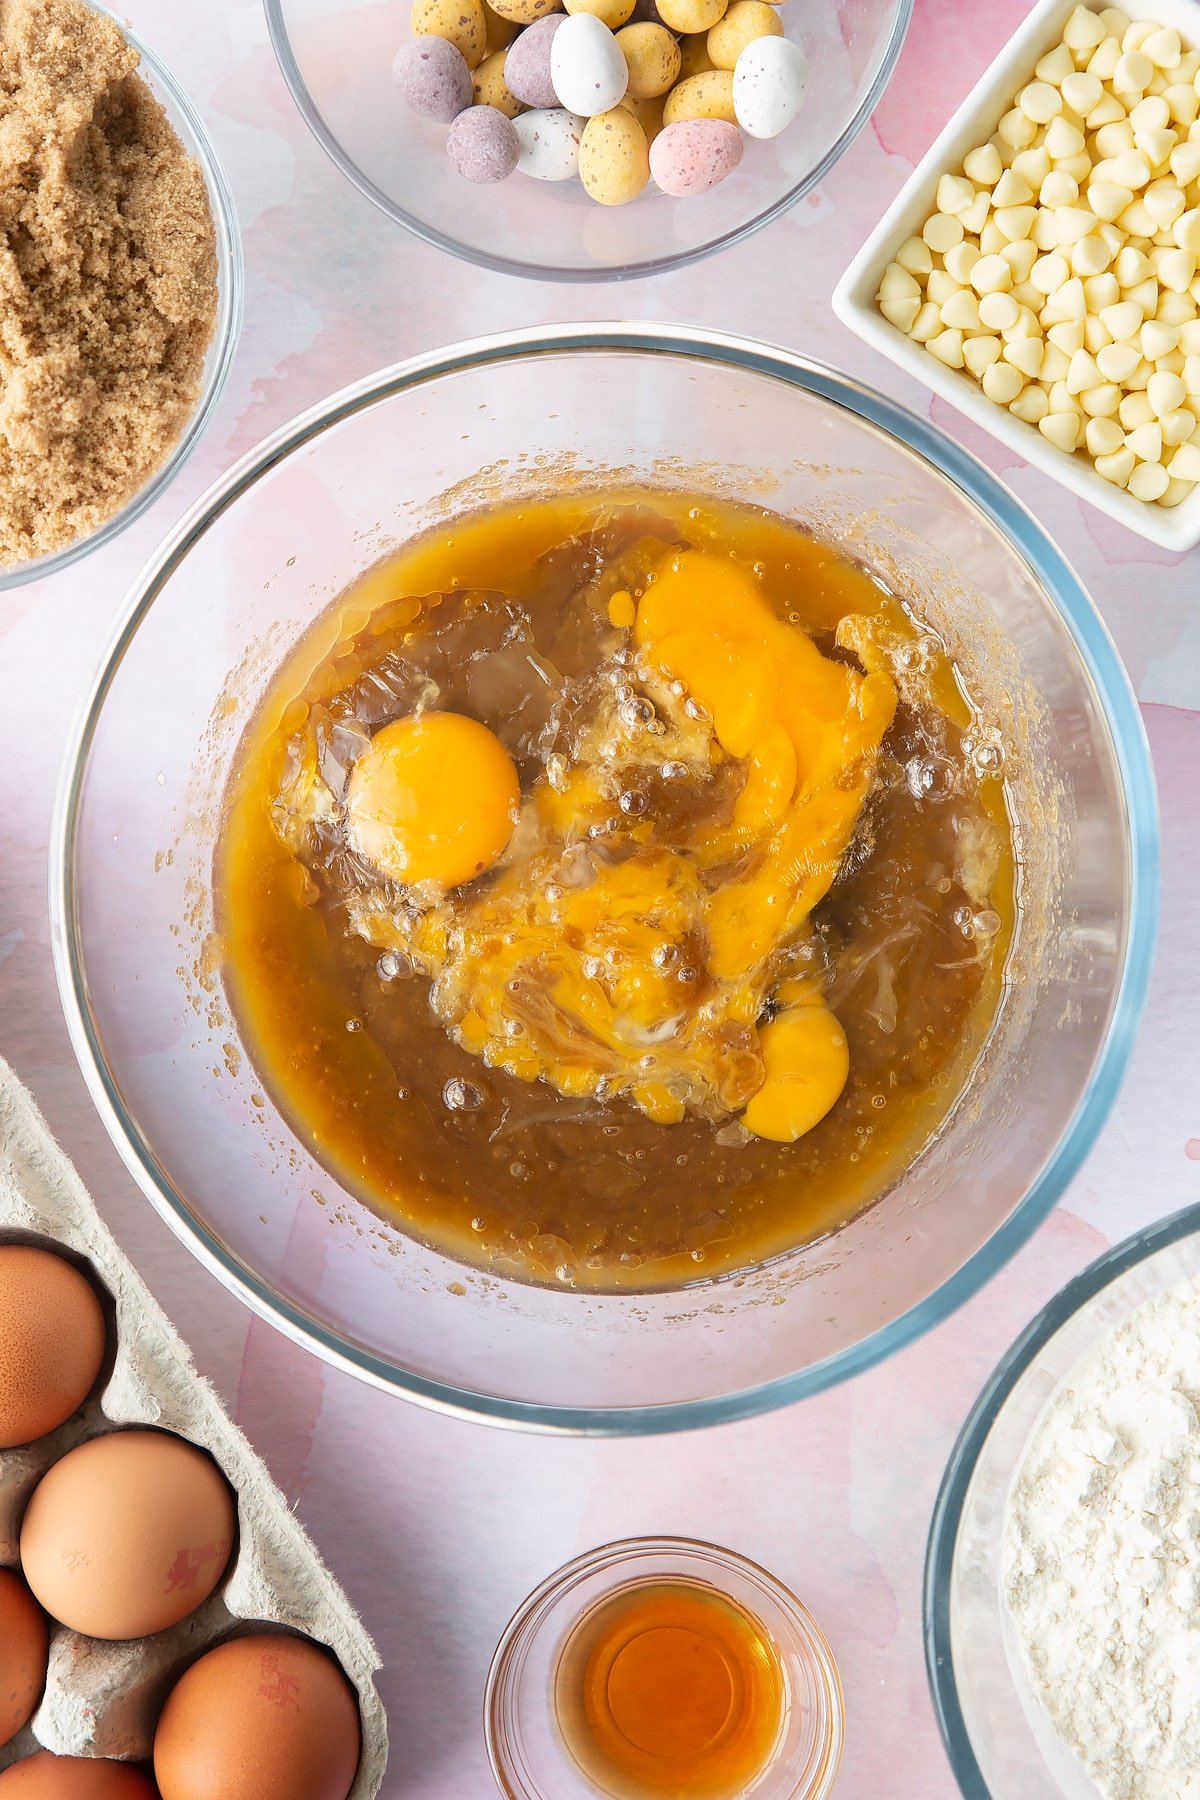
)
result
[(439, 1528)]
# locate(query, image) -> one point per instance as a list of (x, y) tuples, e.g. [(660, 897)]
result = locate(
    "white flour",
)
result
[(1102, 1555)]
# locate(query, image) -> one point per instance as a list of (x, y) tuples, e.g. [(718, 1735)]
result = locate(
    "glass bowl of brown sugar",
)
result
[(113, 362)]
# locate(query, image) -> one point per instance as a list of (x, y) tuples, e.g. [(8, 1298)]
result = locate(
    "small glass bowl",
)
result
[(337, 57), (230, 281), (529, 1758), (1000, 1740)]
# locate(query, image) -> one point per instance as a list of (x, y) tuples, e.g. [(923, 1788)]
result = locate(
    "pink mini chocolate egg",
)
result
[(483, 145), (694, 155), (527, 64), (434, 78)]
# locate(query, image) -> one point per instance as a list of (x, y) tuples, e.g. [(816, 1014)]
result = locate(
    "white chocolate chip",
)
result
[(898, 284), (1163, 48), (1103, 437), (1178, 427), (1081, 91), (1011, 190), (900, 312), (1186, 230), (1177, 270), (979, 353), (1104, 59), (947, 346), (1064, 140), (1030, 404), (1135, 409), (983, 166), (1185, 464), (1124, 320), (1062, 430), (1083, 30), (1165, 391), (915, 256), (1056, 65), (1148, 481), (1158, 339), (1117, 361), (998, 312), (1067, 335), (960, 260), (1026, 354), (942, 231), (1118, 467), (927, 323), (1133, 73), (954, 194), (1002, 383), (991, 275), (1101, 402), (961, 311), (1040, 102), (1146, 442)]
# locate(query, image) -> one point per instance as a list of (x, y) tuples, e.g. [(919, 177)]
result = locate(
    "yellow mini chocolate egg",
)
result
[(460, 22), (524, 12), (52, 1342), (490, 88), (432, 798), (745, 21), (24, 1646), (649, 115), (499, 32), (706, 96), (687, 16), (652, 57), (128, 1534), (693, 55), (807, 1060), (614, 159), (266, 1717), (612, 13)]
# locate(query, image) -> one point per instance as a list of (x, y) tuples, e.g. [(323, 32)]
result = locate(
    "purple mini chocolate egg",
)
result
[(483, 145), (527, 64), (433, 76), (694, 154)]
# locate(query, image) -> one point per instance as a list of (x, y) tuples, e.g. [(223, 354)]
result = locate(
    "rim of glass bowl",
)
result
[(230, 296), (960, 1471), (1096, 651), (534, 271), (530, 1618)]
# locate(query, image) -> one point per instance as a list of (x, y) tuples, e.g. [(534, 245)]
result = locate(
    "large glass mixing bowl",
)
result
[(337, 57), (248, 570)]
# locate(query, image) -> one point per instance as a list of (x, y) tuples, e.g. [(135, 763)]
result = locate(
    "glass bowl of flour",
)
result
[(1062, 1585)]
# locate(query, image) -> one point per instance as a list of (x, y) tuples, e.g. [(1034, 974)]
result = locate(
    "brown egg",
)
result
[(24, 1647), (259, 1718), (46, 1777), (52, 1342), (128, 1534)]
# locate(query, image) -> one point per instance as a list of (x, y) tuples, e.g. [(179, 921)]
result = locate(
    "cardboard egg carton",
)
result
[(103, 1699)]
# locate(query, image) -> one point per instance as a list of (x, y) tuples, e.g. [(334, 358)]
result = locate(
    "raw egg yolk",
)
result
[(433, 798), (807, 1062)]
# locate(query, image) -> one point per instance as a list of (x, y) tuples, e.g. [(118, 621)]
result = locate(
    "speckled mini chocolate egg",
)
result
[(587, 67), (744, 23), (693, 55), (263, 1717), (434, 78), (614, 159), (527, 63), (24, 1647), (613, 13), (52, 1342), (483, 145), (648, 113), (498, 32), (460, 22), (651, 55), (47, 1777), (769, 85), (549, 139), (695, 155), (524, 12), (690, 16), (489, 87), (705, 96)]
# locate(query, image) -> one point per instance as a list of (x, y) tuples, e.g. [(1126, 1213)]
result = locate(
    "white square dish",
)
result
[(1177, 528)]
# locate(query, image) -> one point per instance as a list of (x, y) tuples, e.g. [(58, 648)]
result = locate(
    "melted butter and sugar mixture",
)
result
[(617, 891)]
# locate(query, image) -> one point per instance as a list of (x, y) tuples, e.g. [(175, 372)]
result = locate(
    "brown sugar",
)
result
[(108, 286)]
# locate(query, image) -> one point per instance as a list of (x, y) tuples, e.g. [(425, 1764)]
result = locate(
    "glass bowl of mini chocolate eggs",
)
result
[(340, 58)]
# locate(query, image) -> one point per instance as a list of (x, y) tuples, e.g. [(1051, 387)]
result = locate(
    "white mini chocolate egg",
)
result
[(589, 73), (770, 80), (549, 140)]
